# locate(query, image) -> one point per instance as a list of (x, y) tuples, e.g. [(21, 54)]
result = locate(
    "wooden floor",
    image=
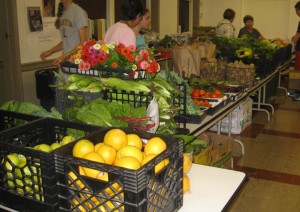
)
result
[(271, 160)]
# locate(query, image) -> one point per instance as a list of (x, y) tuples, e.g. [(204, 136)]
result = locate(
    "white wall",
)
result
[(168, 17), (273, 18)]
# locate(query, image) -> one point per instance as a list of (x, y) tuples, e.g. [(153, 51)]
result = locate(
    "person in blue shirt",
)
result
[(144, 24)]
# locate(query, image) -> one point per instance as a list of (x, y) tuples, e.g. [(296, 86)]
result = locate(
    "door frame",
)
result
[(11, 64)]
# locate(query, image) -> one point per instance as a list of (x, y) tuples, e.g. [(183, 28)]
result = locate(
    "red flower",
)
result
[(114, 65), (130, 57), (125, 51)]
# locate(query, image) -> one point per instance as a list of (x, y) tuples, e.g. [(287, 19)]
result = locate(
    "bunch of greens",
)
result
[(30, 109), (103, 113)]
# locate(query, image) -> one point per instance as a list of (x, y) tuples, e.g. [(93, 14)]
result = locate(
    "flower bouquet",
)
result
[(113, 60)]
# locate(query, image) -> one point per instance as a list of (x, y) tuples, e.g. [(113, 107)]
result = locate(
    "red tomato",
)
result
[(218, 92), (195, 93), (202, 92), (213, 95)]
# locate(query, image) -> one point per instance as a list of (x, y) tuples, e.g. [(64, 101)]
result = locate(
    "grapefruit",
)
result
[(155, 146), (187, 163), (83, 147), (92, 156), (116, 138), (186, 183), (108, 153), (128, 162), (134, 140), (130, 151)]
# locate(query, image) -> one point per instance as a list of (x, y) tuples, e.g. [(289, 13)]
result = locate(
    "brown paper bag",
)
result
[(208, 50), (186, 60)]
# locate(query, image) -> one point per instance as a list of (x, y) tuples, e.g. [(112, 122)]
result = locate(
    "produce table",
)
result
[(260, 86), (211, 188)]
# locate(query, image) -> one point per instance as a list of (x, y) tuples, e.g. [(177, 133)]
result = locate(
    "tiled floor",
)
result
[(271, 161)]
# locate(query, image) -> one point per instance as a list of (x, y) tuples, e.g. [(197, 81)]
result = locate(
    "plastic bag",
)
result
[(153, 113)]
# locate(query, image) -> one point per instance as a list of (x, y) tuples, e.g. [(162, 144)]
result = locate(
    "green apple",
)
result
[(55, 145), (44, 148), (39, 197), (67, 139), (22, 161), (36, 147), (11, 184), (12, 159)]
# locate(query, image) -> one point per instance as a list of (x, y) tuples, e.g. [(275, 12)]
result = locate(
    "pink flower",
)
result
[(144, 65), (84, 66)]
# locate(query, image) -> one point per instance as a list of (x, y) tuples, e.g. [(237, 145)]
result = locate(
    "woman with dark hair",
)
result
[(296, 39), (72, 22), (121, 32), (249, 30), (144, 24), (225, 27)]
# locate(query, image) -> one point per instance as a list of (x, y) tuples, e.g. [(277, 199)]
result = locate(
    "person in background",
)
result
[(249, 30), (122, 31), (144, 24), (296, 39), (72, 21), (225, 28)]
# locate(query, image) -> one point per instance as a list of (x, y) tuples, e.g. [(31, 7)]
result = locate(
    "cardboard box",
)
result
[(222, 145), (225, 162), (204, 157), (294, 84), (241, 118), (294, 74)]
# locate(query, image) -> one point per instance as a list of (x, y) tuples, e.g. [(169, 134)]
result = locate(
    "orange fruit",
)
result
[(158, 167), (186, 183), (93, 156), (75, 181), (128, 162), (134, 140), (187, 163), (167, 161), (116, 138), (130, 151), (103, 176), (109, 191), (98, 145), (79, 205), (155, 146), (83, 147), (108, 153)]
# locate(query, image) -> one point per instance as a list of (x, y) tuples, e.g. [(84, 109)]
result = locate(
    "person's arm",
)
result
[(261, 37), (296, 37), (51, 51), (83, 37)]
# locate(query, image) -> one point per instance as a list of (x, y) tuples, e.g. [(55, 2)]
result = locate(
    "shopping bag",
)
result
[(186, 60)]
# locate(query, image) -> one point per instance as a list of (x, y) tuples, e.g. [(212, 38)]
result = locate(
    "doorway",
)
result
[(184, 15), (10, 65)]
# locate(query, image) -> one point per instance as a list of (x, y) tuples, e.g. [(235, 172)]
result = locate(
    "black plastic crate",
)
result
[(31, 180), (139, 190), (126, 74), (10, 119), (140, 99), (66, 98)]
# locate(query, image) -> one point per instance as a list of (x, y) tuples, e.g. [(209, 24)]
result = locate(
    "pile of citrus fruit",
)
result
[(187, 164), (119, 149)]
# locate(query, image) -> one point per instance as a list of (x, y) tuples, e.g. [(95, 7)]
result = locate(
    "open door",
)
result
[(184, 15)]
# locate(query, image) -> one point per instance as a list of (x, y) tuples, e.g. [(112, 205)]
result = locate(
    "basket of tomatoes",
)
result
[(212, 99)]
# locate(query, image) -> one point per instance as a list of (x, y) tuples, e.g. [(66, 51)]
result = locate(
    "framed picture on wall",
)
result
[(48, 8), (35, 21)]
